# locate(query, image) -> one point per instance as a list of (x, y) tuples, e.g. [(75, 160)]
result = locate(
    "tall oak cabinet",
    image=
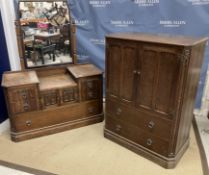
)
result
[(150, 92)]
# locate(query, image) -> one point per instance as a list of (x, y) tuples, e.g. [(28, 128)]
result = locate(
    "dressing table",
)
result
[(50, 95)]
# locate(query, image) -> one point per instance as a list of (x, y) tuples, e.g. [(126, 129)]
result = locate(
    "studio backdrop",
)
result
[(96, 18)]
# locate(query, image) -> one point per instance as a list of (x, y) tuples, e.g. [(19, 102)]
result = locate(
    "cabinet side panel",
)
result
[(195, 63)]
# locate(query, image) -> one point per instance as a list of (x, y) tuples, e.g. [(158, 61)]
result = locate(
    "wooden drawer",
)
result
[(137, 135), (48, 117), (91, 88), (146, 121)]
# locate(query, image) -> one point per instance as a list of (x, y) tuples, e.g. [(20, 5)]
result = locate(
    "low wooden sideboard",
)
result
[(51, 100)]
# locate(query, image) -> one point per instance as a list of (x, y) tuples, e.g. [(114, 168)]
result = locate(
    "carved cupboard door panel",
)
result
[(159, 80), (129, 67), (114, 59), (147, 65)]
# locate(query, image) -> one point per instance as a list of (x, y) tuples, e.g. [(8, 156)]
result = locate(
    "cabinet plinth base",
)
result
[(165, 162), (20, 136)]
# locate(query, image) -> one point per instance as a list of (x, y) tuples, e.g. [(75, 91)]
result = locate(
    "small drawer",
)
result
[(146, 121), (137, 135), (93, 108), (91, 88)]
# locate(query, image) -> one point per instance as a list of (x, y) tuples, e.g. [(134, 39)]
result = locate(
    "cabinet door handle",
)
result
[(149, 142), (118, 127), (28, 123), (134, 72), (151, 124), (118, 112), (138, 72)]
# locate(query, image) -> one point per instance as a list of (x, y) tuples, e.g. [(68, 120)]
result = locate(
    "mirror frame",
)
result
[(20, 41)]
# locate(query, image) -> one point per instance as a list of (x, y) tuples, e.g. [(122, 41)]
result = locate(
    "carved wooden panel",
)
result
[(129, 67), (114, 53), (50, 98), (22, 100), (166, 88), (145, 85), (69, 95)]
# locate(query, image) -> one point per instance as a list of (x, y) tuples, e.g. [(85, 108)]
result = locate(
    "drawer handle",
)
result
[(28, 123), (118, 127), (134, 72), (149, 142), (151, 124), (118, 112), (138, 72), (26, 107)]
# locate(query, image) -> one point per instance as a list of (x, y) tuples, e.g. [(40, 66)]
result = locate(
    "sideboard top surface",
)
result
[(159, 38), (56, 82), (84, 70), (19, 78)]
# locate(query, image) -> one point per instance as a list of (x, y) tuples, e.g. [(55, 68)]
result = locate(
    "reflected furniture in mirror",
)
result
[(46, 97), (47, 33)]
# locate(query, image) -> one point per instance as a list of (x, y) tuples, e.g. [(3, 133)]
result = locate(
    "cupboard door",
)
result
[(147, 65), (128, 65), (166, 87), (158, 83), (113, 65)]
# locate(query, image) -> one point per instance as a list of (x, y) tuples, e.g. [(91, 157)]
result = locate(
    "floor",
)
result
[(92, 135), (4, 170), (9, 171), (203, 128)]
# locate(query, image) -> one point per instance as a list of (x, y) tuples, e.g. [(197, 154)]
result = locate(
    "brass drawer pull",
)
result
[(151, 124), (118, 112), (26, 107), (28, 123), (118, 127), (149, 142), (134, 72)]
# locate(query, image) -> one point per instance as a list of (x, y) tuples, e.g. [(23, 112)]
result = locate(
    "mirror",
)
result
[(46, 29)]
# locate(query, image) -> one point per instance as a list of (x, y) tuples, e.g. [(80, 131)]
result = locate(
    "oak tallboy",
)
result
[(151, 83)]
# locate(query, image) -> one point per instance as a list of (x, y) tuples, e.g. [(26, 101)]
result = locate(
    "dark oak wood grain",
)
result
[(151, 86), (47, 101)]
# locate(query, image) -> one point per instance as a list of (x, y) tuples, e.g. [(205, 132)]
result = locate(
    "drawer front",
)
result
[(91, 88), (69, 95), (137, 135), (52, 116), (145, 121), (23, 99)]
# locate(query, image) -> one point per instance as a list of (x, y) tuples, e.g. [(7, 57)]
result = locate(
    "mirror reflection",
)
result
[(46, 32)]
